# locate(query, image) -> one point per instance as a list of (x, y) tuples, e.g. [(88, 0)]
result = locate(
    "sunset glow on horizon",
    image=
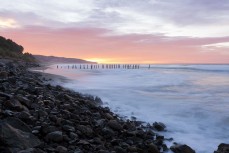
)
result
[(131, 31)]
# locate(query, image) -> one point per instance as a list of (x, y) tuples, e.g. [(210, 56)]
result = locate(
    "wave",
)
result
[(203, 68)]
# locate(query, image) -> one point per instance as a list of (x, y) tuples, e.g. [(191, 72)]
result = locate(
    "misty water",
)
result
[(192, 100)]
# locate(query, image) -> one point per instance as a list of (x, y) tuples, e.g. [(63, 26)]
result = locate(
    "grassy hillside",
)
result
[(11, 50)]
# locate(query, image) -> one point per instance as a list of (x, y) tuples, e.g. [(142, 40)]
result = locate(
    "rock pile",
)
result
[(36, 117)]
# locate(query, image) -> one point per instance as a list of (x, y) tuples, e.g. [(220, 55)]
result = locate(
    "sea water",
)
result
[(192, 100)]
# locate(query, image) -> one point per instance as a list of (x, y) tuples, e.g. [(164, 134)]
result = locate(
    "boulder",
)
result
[(159, 126), (8, 96), (115, 125), (25, 101), (98, 100), (223, 148), (3, 74), (85, 130), (178, 148), (31, 150), (16, 135), (152, 148), (61, 149), (56, 136), (14, 105), (68, 128)]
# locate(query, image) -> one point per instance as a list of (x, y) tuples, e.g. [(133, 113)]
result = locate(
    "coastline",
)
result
[(66, 121)]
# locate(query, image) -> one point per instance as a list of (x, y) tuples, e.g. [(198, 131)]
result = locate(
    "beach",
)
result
[(39, 115), (186, 98)]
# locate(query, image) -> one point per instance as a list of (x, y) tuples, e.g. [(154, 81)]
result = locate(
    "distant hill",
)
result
[(11, 50), (54, 59)]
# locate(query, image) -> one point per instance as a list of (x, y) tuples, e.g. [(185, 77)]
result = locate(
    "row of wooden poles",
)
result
[(103, 66)]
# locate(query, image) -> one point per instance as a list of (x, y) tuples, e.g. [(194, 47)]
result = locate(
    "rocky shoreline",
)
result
[(36, 117)]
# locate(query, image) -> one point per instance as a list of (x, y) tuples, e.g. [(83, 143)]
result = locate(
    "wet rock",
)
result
[(178, 148), (152, 148), (85, 130), (115, 125), (100, 123), (132, 149), (13, 105), (223, 148), (8, 113), (108, 116), (31, 150), (45, 128), (68, 128), (78, 150), (55, 136), (61, 149), (8, 96), (17, 136), (107, 132), (159, 126), (25, 116), (18, 124), (83, 142), (42, 113), (25, 101), (73, 135), (98, 100), (3, 75), (119, 149)]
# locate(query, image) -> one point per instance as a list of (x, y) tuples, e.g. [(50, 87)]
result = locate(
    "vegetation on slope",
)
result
[(10, 49)]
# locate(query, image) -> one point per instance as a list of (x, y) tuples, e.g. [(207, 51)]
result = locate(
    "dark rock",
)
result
[(42, 113), (55, 136), (152, 148), (8, 113), (132, 149), (35, 132), (68, 128), (78, 150), (98, 100), (25, 116), (31, 150), (17, 136), (159, 126), (73, 135), (83, 142), (223, 148), (100, 123), (85, 130), (13, 105), (25, 101), (107, 132), (3, 74), (48, 128), (108, 116), (115, 125), (17, 123), (119, 149), (181, 149), (61, 149), (2, 94)]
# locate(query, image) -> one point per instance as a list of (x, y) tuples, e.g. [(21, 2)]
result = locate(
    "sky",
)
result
[(120, 31)]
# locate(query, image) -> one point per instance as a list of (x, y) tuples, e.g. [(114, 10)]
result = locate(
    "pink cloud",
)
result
[(94, 43)]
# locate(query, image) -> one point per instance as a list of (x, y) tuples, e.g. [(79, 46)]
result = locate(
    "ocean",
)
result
[(192, 100)]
